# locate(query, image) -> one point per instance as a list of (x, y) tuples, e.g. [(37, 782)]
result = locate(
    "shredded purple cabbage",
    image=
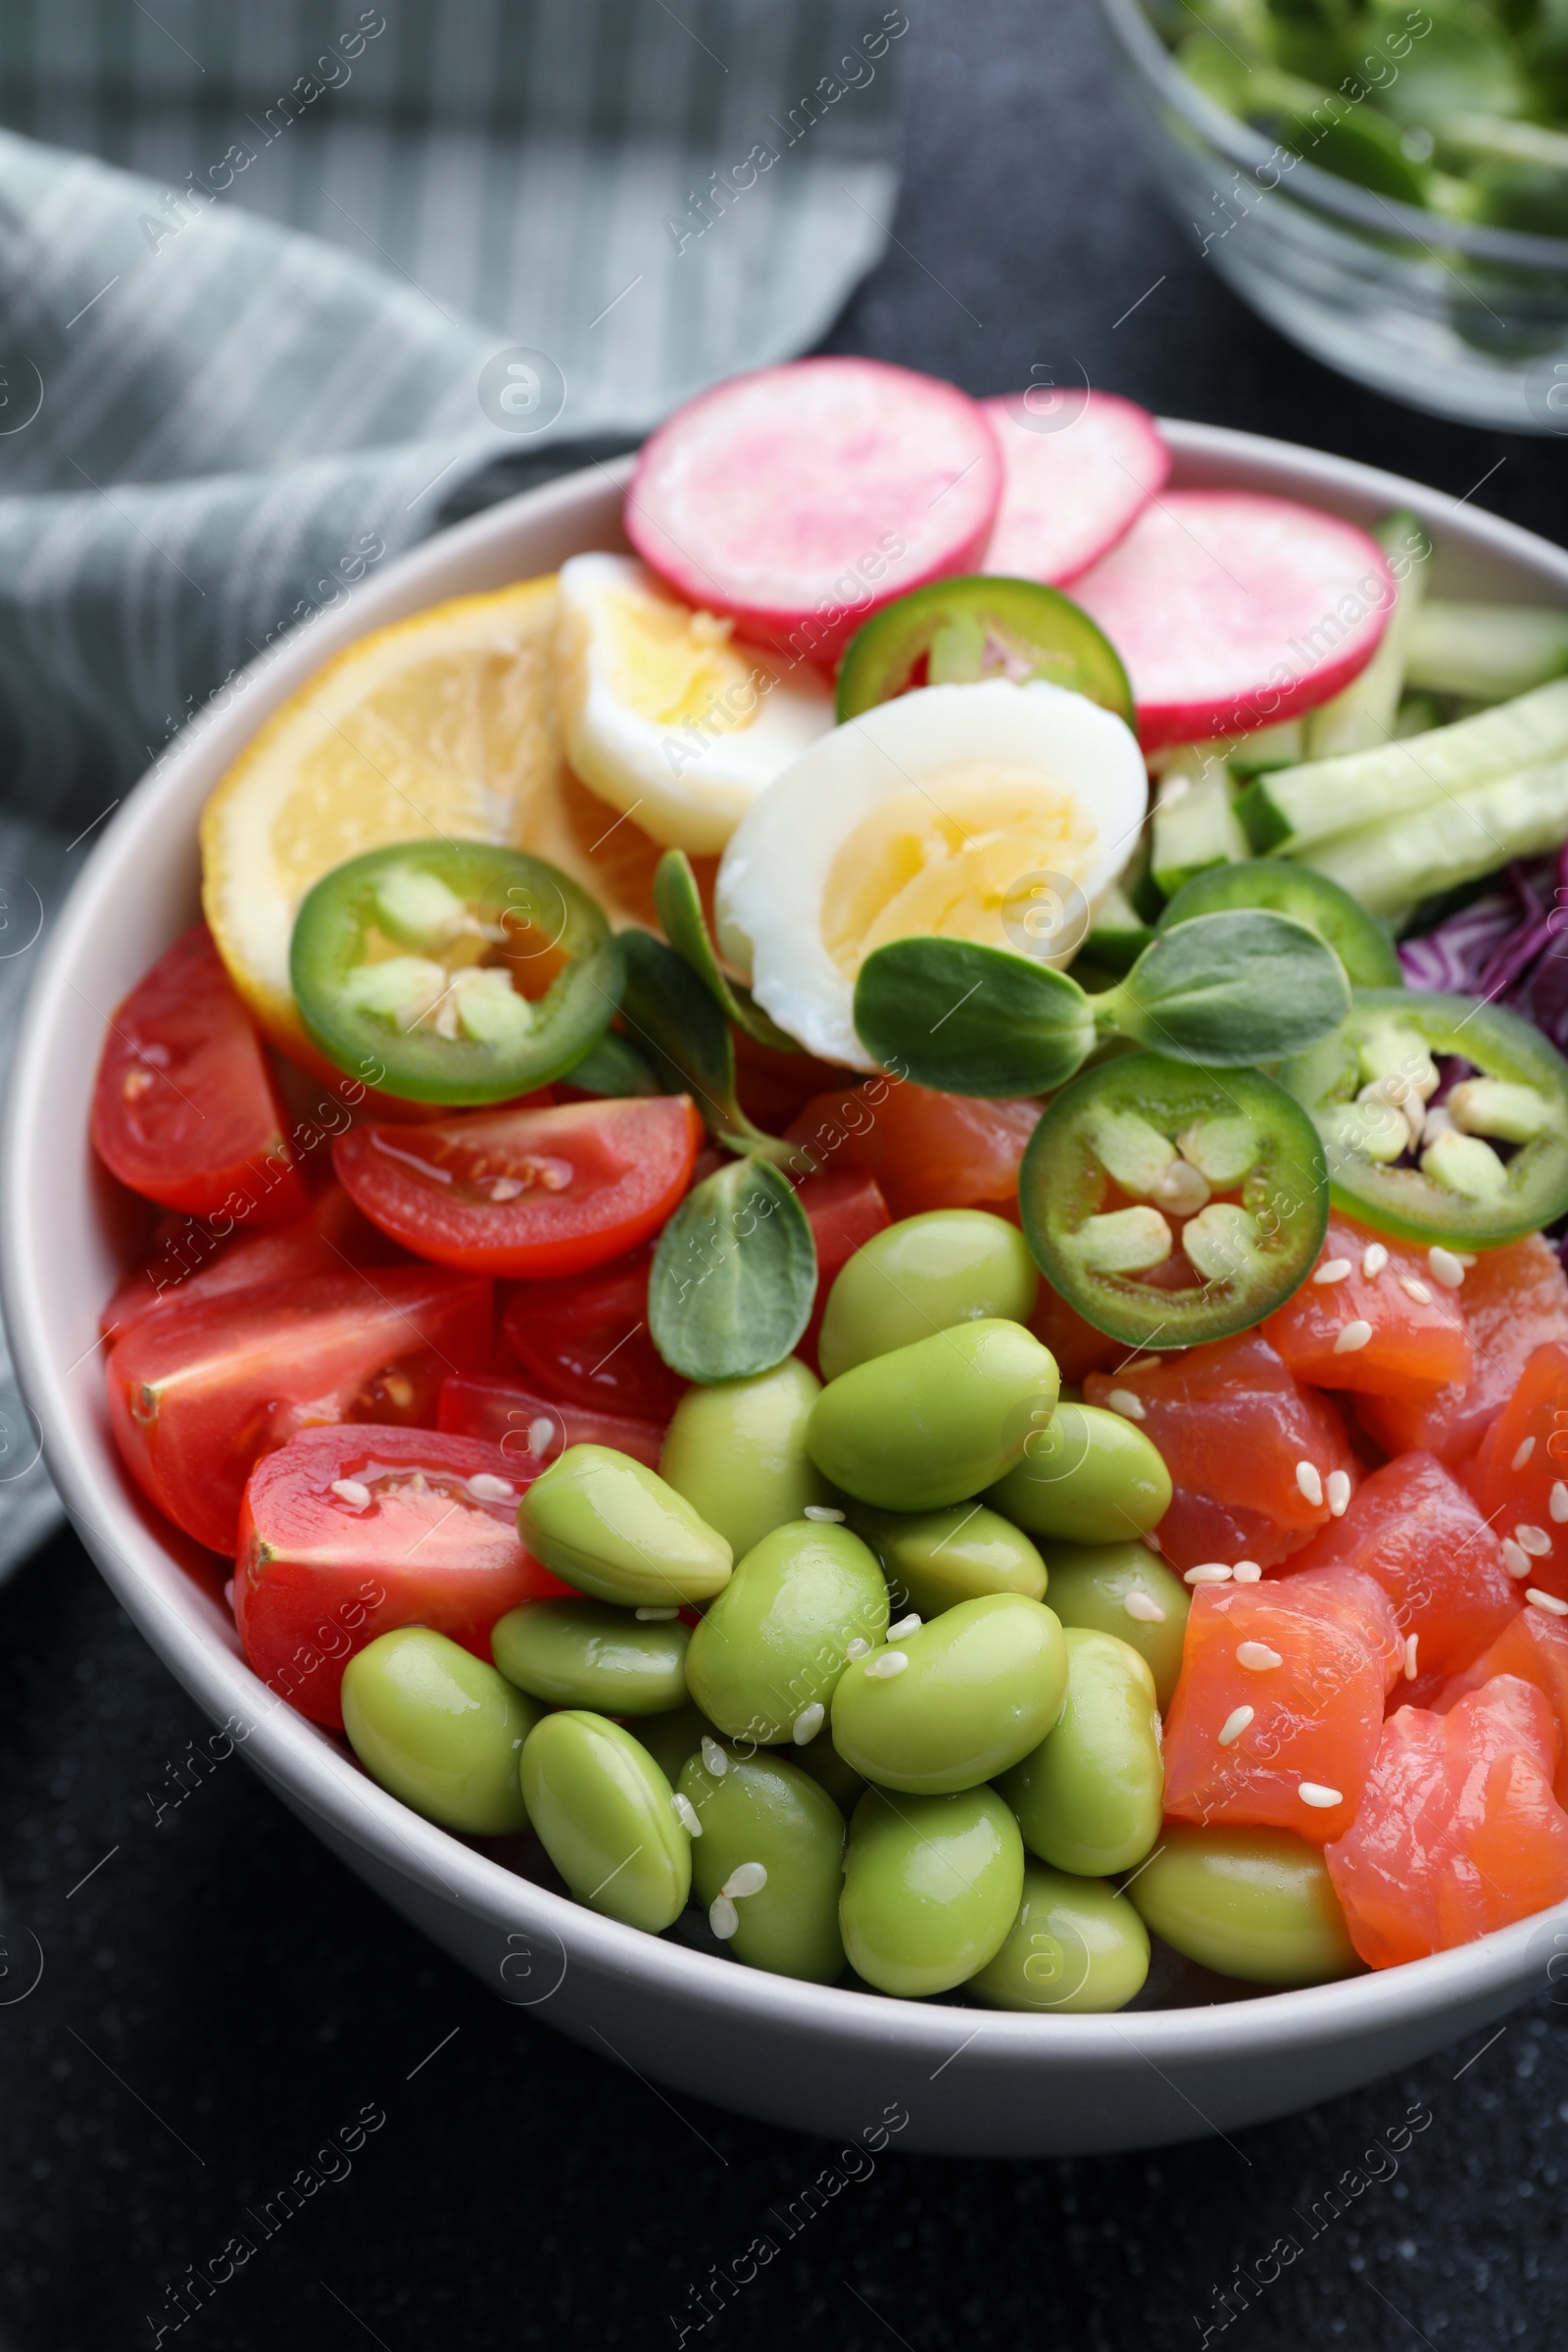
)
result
[(1509, 948)]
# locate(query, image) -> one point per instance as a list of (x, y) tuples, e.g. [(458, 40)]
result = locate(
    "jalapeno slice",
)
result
[(464, 972), (956, 632), (1362, 943), (1171, 1204), (1444, 1119)]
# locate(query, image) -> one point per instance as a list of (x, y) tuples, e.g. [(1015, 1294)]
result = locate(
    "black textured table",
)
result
[(223, 2009)]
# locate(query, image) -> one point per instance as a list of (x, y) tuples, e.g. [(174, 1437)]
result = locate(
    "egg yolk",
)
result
[(944, 860), (674, 666)]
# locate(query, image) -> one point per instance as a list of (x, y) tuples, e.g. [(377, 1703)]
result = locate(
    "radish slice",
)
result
[(801, 498), (1075, 479), (1232, 611)]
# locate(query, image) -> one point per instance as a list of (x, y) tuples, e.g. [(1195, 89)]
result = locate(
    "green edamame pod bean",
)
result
[(934, 1559), (931, 1424), (588, 1653), (931, 1888), (737, 1451), (606, 1817), (1253, 1903), (616, 1530), (821, 1759), (977, 1689), (440, 1729), (1077, 1946), (1121, 1589), (1089, 1478), (670, 1739), (1089, 1798), (764, 1661), (925, 1274), (768, 1864)]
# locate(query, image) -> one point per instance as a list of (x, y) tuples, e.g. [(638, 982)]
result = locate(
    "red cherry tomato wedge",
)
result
[(1458, 1831), (926, 1149), (345, 1534), (844, 1210), (1513, 1301), (183, 1108), (532, 1193), (196, 1399), (1523, 1468), (190, 1264), (532, 1431), (1384, 1325), (584, 1341)]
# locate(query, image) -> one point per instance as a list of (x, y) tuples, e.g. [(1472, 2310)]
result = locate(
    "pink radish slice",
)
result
[(1077, 474), (801, 498), (1233, 611)]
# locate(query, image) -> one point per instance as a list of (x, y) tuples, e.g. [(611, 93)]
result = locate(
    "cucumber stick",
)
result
[(1296, 807), (1118, 934), (1490, 652), (1364, 714), (1393, 865), (1279, 746), (1194, 825)]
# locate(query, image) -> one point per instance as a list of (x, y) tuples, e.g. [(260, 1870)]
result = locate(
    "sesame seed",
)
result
[(648, 1616), (1309, 1479), (1130, 1407), (824, 1511), (1235, 1724), (1522, 1453), (858, 1649), (1143, 1608), (1248, 1572), (1257, 1657), (905, 1625), (1415, 1290), (1466, 1257), (1534, 1540), (487, 1487), (1445, 1267), (807, 1723), (1547, 1601), (886, 1664), (1353, 1336), (723, 1918), (1140, 1363), (1213, 1573), (1337, 1488), (1514, 1557), (541, 1429), (350, 1490), (714, 1758), (686, 1815), (747, 1878), (1558, 1501), (1373, 1262), (1334, 1269), (1313, 1792), (1411, 1643)]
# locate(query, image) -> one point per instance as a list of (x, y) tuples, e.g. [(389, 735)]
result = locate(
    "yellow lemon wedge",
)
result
[(443, 724)]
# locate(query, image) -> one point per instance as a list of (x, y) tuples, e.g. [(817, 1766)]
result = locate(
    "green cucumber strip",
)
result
[(1364, 714), (734, 1275), (1392, 865), (1302, 806), (1279, 746), (1489, 652), (680, 911), (1118, 934), (1194, 828)]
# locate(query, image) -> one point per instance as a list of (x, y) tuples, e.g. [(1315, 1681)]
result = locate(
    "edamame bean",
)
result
[(931, 1424), (588, 1653), (768, 1864), (737, 1451), (670, 1739), (821, 1759), (978, 1690), (934, 1559), (1253, 1903), (931, 1888), (925, 1274), (1076, 1947), (616, 1530), (440, 1729), (1089, 1476), (770, 1651), (606, 1817), (1089, 1798), (1121, 1589)]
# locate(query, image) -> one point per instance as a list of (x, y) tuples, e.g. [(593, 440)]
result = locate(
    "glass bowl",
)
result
[(1466, 322)]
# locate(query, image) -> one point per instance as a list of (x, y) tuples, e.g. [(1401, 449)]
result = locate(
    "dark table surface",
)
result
[(219, 1998)]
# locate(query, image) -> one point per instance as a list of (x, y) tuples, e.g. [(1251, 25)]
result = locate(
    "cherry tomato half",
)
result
[(534, 1431), (584, 1341), (187, 1264)]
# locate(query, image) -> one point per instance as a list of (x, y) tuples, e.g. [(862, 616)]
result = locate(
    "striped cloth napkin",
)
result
[(284, 288)]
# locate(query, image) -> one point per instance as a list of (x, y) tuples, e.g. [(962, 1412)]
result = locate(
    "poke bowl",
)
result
[(907, 2059)]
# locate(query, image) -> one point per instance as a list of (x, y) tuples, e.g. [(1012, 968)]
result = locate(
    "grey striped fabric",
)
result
[(279, 283)]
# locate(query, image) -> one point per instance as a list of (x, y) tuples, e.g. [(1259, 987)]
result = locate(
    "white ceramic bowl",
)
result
[(827, 2061)]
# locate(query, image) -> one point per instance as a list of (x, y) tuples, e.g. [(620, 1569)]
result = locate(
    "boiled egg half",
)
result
[(949, 811), (661, 715)]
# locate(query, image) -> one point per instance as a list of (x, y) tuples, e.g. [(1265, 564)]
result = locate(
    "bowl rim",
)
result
[(313, 1774), (1324, 190)]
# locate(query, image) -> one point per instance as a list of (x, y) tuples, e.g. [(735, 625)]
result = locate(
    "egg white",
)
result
[(775, 876)]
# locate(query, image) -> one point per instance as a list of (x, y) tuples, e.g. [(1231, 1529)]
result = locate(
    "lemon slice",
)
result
[(443, 724)]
